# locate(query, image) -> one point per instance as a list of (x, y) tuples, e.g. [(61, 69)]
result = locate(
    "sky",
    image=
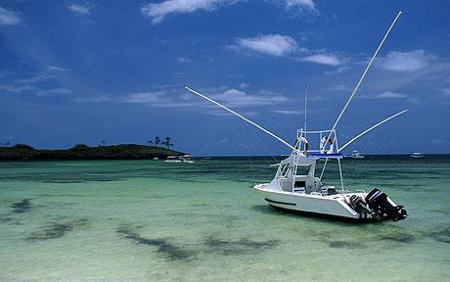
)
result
[(85, 72)]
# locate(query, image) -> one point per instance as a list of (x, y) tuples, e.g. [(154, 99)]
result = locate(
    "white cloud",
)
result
[(244, 85), (323, 59), (405, 61), (446, 92), (386, 95), (58, 91), (156, 97), (183, 60), (16, 88), (271, 44), (80, 9), (8, 17), (57, 68), (438, 141), (93, 99), (301, 4), (237, 98), (288, 112), (49, 73), (339, 88), (158, 11), (171, 98), (29, 83)]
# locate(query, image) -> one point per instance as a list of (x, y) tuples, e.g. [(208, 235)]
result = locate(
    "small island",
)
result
[(20, 152)]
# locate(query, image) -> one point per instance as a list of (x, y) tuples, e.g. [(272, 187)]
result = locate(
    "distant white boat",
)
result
[(356, 155), (417, 155), (180, 159), (187, 159), (173, 159)]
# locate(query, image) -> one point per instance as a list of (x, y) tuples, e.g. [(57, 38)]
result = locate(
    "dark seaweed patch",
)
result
[(57, 229), (65, 177), (344, 245), (444, 212), (164, 246), (63, 181), (188, 180), (400, 237), (242, 246), (441, 235), (21, 207)]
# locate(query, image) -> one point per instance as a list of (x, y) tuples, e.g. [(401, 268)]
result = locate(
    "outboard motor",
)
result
[(385, 209), (358, 204)]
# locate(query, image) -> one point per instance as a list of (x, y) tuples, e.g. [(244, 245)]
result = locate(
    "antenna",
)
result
[(243, 118), (306, 93), (364, 73)]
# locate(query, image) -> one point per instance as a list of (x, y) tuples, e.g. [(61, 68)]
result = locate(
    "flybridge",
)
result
[(324, 147)]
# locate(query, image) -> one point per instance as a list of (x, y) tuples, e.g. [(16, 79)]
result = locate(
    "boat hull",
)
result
[(333, 206)]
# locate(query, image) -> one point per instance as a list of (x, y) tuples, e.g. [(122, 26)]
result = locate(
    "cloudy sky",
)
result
[(86, 71)]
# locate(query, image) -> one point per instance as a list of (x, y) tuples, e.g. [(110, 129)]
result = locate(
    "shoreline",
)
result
[(82, 152)]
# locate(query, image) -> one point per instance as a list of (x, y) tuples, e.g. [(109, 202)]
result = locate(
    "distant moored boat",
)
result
[(417, 155), (356, 155)]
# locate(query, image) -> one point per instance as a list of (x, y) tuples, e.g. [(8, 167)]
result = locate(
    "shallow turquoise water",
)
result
[(155, 221)]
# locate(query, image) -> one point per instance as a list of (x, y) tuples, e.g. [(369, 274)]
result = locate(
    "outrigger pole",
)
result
[(354, 92), (243, 118), (364, 73), (371, 128)]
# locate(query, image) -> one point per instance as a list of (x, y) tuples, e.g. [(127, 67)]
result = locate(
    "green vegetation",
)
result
[(84, 152), (166, 142)]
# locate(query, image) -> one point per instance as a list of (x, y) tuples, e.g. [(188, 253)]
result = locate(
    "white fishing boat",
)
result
[(187, 159), (417, 155), (356, 155), (297, 186), (173, 159), (180, 159)]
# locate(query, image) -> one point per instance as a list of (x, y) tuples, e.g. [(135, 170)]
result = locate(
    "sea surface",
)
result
[(156, 221)]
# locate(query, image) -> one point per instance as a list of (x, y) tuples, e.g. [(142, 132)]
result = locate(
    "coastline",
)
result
[(83, 152)]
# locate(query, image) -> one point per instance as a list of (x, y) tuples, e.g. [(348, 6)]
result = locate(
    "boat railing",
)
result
[(319, 141)]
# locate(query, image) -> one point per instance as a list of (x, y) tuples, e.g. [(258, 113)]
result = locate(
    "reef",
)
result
[(241, 246), (21, 207), (55, 230), (164, 246)]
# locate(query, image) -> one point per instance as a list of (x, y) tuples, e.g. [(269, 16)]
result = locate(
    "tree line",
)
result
[(158, 141)]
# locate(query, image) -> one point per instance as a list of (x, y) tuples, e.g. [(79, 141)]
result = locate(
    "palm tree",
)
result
[(167, 142), (157, 141)]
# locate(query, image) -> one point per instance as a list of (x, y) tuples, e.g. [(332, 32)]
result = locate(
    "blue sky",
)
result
[(86, 71)]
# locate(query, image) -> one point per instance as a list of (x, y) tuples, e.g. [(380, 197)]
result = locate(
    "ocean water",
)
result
[(157, 221)]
